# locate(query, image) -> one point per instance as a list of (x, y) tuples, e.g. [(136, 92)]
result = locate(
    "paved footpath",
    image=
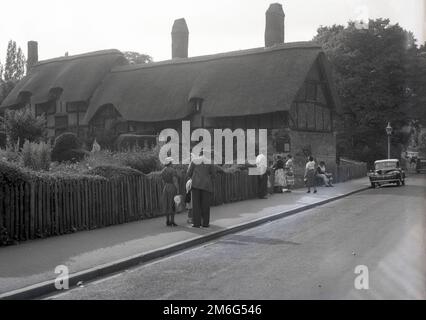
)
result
[(29, 266)]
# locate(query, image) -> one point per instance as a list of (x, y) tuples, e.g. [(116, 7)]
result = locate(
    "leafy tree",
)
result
[(22, 124), (416, 84), (137, 58), (422, 144), (13, 70), (371, 69)]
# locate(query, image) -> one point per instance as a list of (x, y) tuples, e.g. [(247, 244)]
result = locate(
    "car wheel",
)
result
[(403, 182), (373, 185), (398, 183)]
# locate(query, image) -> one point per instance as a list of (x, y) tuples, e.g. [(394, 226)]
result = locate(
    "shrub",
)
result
[(129, 141), (113, 172), (36, 155), (22, 124), (143, 159), (10, 153), (106, 139), (68, 148), (11, 173)]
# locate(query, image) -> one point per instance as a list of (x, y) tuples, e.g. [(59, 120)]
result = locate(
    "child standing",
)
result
[(170, 190)]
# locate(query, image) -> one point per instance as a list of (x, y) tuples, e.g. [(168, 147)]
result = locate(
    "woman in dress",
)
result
[(324, 175), (310, 173), (170, 190), (279, 181), (289, 174), (262, 179)]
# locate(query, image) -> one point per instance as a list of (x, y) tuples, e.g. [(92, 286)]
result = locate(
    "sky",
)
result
[(78, 26)]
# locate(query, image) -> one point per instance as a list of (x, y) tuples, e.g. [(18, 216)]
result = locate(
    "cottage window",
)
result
[(61, 122), (302, 116), (74, 107), (282, 144), (327, 119), (311, 116), (319, 118), (73, 119), (47, 108)]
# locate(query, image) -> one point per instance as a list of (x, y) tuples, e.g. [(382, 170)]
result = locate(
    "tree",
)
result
[(422, 144), (13, 70), (137, 58), (416, 84), (22, 124), (371, 73)]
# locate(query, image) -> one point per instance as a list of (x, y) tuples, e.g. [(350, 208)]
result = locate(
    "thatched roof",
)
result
[(237, 83), (77, 76)]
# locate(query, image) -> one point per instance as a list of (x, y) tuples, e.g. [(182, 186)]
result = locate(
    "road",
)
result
[(311, 255)]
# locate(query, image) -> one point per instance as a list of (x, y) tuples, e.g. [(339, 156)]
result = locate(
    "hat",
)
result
[(168, 160)]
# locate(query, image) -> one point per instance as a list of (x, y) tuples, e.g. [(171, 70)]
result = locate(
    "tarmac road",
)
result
[(311, 255)]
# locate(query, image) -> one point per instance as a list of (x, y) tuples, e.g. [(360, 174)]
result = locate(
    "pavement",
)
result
[(27, 270), (321, 253)]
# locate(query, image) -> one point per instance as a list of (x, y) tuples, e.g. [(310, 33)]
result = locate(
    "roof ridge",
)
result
[(217, 56), (79, 56)]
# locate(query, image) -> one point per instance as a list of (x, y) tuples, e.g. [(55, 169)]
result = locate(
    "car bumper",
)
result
[(384, 179)]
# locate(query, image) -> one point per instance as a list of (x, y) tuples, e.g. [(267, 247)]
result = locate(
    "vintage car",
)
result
[(420, 165), (387, 171)]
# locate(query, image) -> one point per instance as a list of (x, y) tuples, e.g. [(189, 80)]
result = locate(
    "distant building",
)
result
[(283, 87)]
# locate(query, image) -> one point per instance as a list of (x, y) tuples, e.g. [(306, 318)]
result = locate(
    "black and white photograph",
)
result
[(212, 155)]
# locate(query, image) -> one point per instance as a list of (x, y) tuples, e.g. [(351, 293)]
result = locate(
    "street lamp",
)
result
[(389, 132)]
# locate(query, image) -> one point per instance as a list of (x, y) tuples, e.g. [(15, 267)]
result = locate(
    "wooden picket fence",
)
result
[(39, 208), (348, 170)]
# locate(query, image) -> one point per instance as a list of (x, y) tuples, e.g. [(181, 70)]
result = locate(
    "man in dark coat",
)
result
[(202, 176)]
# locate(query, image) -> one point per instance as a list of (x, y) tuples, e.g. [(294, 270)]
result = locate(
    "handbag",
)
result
[(179, 203)]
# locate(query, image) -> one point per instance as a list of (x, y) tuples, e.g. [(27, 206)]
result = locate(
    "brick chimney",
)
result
[(32, 55), (274, 28), (180, 35)]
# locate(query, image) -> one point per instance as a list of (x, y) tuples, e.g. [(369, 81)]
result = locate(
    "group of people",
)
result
[(199, 188), (283, 174), (312, 172), (279, 177), (199, 185)]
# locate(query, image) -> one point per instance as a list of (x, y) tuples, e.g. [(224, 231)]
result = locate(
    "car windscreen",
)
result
[(386, 165)]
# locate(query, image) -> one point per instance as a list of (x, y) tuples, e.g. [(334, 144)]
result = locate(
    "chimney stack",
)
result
[(32, 54), (274, 28), (180, 35)]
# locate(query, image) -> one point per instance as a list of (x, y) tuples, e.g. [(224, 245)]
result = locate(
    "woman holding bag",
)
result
[(310, 173), (170, 191)]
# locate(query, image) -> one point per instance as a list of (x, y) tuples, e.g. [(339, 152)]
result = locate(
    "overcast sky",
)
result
[(79, 26)]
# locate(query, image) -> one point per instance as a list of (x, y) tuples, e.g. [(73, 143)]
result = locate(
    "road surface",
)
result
[(311, 255)]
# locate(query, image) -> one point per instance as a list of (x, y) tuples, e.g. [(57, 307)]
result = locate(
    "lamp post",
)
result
[(389, 132)]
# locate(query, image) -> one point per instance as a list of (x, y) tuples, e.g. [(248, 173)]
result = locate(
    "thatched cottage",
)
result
[(283, 87)]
